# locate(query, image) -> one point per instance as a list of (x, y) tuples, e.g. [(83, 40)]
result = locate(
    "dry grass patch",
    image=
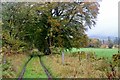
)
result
[(73, 68), (14, 63)]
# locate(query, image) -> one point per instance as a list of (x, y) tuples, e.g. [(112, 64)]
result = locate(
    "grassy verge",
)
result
[(75, 68), (34, 69), (14, 64)]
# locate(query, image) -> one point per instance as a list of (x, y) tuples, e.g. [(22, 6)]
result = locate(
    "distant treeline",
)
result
[(99, 43)]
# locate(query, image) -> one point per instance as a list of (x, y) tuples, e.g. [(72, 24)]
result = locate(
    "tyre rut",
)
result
[(45, 69)]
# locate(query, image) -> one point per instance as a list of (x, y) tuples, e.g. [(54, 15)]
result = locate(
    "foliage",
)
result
[(15, 44), (95, 43), (116, 59), (35, 52), (50, 24), (110, 43)]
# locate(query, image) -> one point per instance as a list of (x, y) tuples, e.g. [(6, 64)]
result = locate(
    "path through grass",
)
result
[(34, 69)]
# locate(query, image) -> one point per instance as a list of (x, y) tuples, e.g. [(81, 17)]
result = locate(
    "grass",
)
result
[(34, 69), (107, 53), (14, 65), (75, 68), (98, 68), (72, 68)]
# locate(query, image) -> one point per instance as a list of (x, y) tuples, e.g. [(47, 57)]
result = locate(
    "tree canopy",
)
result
[(49, 24)]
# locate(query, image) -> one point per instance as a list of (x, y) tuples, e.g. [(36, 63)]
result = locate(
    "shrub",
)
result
[(110, 45), (116, 59), (34, 52)]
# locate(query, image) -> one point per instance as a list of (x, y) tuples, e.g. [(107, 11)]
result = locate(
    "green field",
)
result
[(98, 51)]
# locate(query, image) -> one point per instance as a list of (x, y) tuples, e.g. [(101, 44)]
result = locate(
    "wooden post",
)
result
[(63, 57), (88, 56), (79, 55)]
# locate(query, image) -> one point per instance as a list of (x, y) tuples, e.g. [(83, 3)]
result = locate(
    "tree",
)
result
[(65, 23), (50, 24), (95, 43), (110, 43)]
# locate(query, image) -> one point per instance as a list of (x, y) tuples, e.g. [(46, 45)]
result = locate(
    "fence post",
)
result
[(63, 57), (79, 55)]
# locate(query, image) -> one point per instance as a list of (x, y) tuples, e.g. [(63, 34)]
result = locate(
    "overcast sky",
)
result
[(107, 21)]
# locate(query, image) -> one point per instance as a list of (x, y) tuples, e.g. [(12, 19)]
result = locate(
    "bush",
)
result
[(116, 59), (34, 52), (110, 45)]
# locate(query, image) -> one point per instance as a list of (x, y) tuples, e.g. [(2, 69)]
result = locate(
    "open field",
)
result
[(107, 53)]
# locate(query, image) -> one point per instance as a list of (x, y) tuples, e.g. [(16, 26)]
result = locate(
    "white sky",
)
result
[(107, 20)]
